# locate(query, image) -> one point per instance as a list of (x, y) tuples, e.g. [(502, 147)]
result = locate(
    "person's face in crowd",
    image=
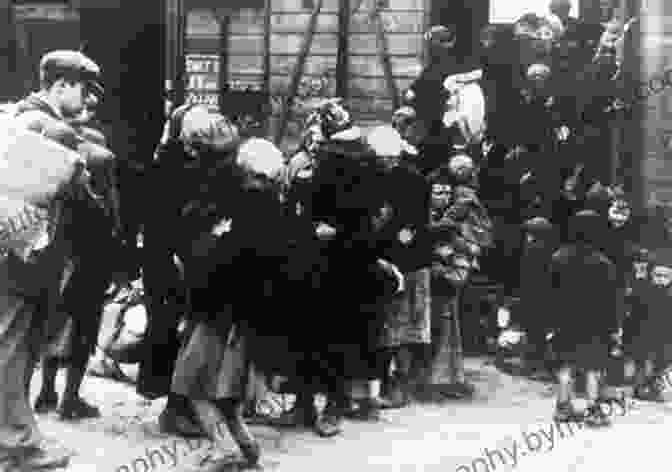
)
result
[(641, 269), (73, 97), (619, 213), (661, 276)]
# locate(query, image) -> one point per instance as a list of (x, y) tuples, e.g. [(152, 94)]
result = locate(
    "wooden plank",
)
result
[(249, 21), (202, 45), (398, 43), (298, 23), (405, 5), (298, 6), (245, 18), (249, 44), (280, 84), (237, 81), (367, 109), (202, 22), (323, 43), (370, 66), (315, 65), (384, 56), (224, 56), (394, 22), (361, 87), (342, 62), (267, 44), (246, 64), (298, 70)]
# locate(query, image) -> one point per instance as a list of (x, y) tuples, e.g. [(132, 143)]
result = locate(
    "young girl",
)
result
[(228, 219)]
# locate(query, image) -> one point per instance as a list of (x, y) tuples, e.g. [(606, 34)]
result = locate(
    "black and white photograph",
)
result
[(335, 235)]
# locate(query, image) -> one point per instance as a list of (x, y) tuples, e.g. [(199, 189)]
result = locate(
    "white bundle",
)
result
[(32, 168), (386, 141), (261, 156), (466, 109)]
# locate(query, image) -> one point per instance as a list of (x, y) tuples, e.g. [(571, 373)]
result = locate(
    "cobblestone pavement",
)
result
[(506, 427)]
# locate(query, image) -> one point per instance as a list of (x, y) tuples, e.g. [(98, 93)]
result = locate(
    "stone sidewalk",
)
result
[(507, 414)]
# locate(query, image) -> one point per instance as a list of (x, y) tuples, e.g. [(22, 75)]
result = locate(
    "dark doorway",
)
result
[(133, 71)]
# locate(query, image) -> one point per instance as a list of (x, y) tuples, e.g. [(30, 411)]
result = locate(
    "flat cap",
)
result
[(73, 62)]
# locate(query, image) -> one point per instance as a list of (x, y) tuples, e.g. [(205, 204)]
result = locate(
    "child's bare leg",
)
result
[(564, 409), (565, 391), (229, 412), (596, 416), (592, 386)]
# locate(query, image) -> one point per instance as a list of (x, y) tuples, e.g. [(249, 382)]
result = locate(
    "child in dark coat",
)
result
[(540, 244), (583, 299), (648, 342)]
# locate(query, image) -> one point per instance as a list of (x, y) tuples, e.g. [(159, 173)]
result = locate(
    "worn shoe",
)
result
[(77, 409), (566, 413), (394, 402), (243, 437), (596, 417), (173, 423), (46, 401), (107, 368), (329, 424), (649, 393), (44, 458), (251, 452), (298, 417), (369, 410)]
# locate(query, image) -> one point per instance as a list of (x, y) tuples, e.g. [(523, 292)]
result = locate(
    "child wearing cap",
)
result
[(225, 220), (583, 302), (650, 326)]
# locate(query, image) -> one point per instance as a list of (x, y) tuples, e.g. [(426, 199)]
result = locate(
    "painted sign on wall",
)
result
[(203, 79)]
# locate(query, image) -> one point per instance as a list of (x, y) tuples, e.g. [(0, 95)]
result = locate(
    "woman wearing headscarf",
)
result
[(176, 166), (406, 331), (230, 261), (336, 191)]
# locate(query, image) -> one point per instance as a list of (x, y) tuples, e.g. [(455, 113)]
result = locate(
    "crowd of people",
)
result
[(245, 249)]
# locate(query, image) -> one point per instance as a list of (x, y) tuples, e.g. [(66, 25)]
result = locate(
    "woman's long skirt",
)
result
[(408, 316), (212, 364)]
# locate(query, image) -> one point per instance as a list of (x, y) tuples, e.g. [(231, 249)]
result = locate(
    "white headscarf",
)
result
[(386, 141), (261, 156)]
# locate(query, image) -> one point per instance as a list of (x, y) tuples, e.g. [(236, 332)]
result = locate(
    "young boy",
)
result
[(540, 244), (650, 328), (583, 299)]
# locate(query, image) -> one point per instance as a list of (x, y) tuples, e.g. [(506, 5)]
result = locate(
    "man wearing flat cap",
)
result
[(67, 80), (70, 90)]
